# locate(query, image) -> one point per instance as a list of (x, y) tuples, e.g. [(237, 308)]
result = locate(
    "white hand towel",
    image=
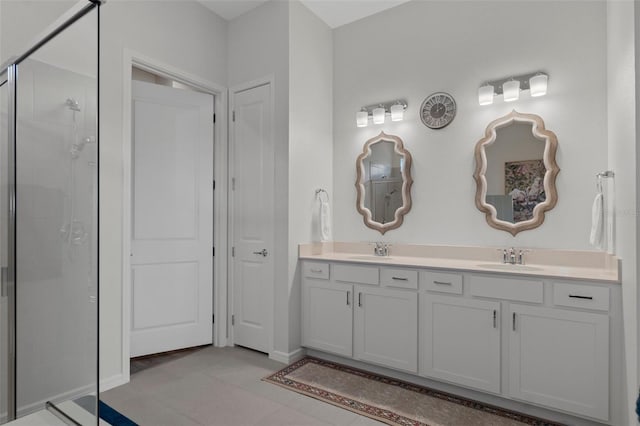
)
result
[(597, 221), (325, 220)]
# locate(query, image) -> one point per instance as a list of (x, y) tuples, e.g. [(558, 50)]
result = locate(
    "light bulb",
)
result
[(538, 85), (378, 115), (511, 90), (362, 118), (485, 94), (397, 112)]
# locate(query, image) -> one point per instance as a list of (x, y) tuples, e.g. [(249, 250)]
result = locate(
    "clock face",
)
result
[(438, 110)]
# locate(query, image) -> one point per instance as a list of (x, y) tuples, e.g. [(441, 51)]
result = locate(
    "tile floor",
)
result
[(221, 387)]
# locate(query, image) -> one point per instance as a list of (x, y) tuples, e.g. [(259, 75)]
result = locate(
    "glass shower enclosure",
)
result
[(49, 224)]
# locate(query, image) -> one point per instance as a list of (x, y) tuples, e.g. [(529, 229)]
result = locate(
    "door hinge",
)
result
[(233, 184), (214, 118), (233, 116), (213, 251), (214, 184), (213, 319), (233, 252), (233, 320)]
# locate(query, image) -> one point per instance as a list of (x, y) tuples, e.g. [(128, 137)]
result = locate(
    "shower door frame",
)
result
[(8, 76)]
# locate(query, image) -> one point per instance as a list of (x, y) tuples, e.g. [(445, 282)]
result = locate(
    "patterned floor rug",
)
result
[(391, 401)]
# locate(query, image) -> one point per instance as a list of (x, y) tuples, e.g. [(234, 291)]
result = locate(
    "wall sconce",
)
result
[(379, 112), (511, 87)]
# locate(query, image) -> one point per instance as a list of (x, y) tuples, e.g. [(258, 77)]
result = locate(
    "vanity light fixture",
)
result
[(362, 118), (510, 88), (378, 115), (538, 85), (379, 112), (397, 112), (485, 94)]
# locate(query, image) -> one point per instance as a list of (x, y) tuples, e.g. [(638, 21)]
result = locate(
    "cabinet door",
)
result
[(460, 341), (560, 359), (327, 316), (386, 327)]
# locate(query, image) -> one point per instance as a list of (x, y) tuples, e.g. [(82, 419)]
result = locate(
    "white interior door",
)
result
[(253, 217), (172, 219)]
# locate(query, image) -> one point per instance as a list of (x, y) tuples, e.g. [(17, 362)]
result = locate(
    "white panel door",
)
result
[(172, 219), (386, 327), (327, 316), (560, 359), (460, 341), (253, 217)]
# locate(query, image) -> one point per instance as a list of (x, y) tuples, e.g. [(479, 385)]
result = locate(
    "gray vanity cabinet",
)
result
[(560, 358), (460, 341), (386, 327), (327, 315)]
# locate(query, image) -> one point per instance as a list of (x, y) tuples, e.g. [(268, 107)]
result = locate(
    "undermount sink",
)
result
[(509, 267), (370, 257)]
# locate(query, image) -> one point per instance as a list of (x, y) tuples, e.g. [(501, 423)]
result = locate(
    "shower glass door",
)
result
[(53, 260)]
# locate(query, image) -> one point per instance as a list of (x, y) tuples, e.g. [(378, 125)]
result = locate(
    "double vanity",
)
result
[(546, 332)]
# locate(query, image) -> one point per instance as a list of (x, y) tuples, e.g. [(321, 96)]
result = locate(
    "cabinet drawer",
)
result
[(316, 270), (356, 274), (443, 282), (401, 278), (581, 296), (521, 290)]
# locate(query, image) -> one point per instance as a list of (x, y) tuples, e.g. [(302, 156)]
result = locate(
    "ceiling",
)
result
[(333, 12)]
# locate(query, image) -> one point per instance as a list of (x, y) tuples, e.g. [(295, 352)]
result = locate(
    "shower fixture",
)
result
[(76, 148), (72, 104)]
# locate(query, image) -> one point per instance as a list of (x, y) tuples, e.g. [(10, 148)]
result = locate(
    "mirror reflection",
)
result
[(383, 183), (515, 172)]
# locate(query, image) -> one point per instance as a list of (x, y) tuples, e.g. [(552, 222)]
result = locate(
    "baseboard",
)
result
[(288, 358), (113, 382), (56, 399)]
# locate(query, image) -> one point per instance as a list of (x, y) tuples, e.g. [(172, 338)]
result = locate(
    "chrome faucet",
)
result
[(513, 256), (381, 249)]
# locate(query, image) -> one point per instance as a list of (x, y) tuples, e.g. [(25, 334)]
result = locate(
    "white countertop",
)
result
[(583, 265)]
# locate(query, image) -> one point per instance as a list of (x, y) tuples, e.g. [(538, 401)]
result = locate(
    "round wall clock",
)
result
[(438, 110)]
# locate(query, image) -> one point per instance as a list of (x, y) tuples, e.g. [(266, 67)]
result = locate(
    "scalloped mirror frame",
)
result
[(406, 184), (549, 158)]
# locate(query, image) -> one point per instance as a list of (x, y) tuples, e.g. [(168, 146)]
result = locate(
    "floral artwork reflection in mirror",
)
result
[(524, 183), (516, 171), (383, 182)]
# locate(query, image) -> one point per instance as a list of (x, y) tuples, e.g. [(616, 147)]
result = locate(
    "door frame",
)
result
[(262, 81), (220, 241)]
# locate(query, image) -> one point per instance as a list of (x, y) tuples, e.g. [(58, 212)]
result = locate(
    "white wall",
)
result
[(258, 48), (186, 36), (423, 47), (21, 22), (622, 159), (310, 139)]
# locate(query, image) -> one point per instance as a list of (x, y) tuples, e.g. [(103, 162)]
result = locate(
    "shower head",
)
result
[(72, 104)]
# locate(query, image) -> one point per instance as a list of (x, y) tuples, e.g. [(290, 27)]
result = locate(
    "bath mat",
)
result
[(108, 414), (389, 400)]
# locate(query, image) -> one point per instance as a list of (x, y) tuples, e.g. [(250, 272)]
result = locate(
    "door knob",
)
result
[(264, 252)]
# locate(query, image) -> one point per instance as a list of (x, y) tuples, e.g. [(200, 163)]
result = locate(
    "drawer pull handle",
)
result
[(495, 314), (316, 271), (348, 302), (442, 283), (575, 296), (360, 299), (514, 321), (400, 279)]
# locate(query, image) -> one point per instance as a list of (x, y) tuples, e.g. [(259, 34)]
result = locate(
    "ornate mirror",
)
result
[(516, 172), (383, 182)]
